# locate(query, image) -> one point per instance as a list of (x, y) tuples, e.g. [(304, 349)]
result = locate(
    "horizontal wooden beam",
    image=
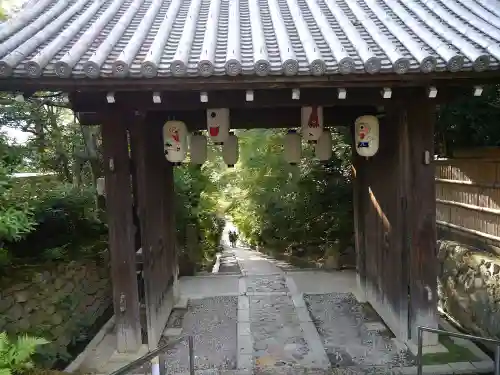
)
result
[(468, 206), (248, 118), (249, 82), (270, 98), (484, 185), (467, 230)]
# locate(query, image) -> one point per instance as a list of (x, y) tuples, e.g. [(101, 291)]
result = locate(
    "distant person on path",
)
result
[(233, 237)]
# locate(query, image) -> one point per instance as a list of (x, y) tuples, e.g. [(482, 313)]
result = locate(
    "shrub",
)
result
[(65, 220), (15, 357), (16, 216)]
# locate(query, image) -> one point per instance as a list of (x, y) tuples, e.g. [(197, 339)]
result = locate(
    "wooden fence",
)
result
[(468, 198)]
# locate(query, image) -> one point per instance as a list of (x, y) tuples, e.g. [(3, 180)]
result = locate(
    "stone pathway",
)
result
[(275, 319), (212, 324), (228, 262), (353, 337)]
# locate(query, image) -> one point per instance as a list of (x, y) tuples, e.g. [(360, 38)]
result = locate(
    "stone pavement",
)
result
[(274, 328), (274, 319)]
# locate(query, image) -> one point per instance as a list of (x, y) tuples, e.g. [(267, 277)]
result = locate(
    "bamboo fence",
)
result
[(468, 195)]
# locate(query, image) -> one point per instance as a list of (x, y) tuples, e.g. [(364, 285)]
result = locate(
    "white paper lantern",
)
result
[(292, 147), (230, 151), (175, 141), (323, 148), (312, 123), (198, 149), (366, 133), (218, 124), (101, 186)]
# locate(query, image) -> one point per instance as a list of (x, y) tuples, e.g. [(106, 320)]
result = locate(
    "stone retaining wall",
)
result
[(56, 301), (469, 287)]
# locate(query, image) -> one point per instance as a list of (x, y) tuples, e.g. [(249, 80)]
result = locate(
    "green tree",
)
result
[(469, 122), (290, 207)]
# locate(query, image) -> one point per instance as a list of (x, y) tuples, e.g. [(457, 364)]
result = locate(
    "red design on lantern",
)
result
[(313, 118), (214, 131)]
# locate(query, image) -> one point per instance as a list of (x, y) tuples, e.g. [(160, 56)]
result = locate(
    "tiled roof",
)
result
[(148, 38)]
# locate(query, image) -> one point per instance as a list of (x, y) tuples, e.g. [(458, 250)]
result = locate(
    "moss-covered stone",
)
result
[(53, 301), (469, 287)]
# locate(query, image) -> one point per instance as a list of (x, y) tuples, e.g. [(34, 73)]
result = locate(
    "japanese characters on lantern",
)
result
[(366, 131), (311, 123), (175, 141)]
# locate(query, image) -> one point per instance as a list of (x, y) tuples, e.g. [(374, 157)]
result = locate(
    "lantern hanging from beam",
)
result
[(323, 148), (218, 124), (366, 131), (230, 150), (198, 149), (175, 141), (312, 123), (292, 147), (101, 186)]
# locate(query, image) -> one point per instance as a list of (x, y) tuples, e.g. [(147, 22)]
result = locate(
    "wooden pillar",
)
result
[(382, 217), (358, 211), (421, 216), (155, 200), (121, 232)]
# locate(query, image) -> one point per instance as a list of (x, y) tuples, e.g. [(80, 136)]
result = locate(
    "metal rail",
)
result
[(420, 331), (125, 370)]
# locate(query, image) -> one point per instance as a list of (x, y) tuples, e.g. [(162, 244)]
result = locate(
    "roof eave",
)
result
[(248, 82)]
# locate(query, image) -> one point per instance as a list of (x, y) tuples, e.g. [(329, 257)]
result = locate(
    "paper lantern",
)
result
[(198, 149), (292, 147), (312, 123), (323, 148), (230, 150), (366, 132), (218, 124), (175, 141), (101, 186)]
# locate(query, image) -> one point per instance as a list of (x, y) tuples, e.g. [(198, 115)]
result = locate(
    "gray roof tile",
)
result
[(148, 38)]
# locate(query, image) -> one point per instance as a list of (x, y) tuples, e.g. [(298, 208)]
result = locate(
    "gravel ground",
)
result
[(340, 319), (265, 284), (278, 338), (212, 323)]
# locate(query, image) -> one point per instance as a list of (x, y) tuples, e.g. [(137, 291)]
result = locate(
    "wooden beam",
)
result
[(422, 216), (154, 193), (263, 118), (265, 98), (247, 82), (121, 236)]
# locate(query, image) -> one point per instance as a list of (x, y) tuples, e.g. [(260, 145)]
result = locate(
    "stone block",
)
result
[(243, 303), (6, 303), (437, 369), (172, 332), (483, 367), (243, 315), (244, 328), (462, 367), (245, 344)]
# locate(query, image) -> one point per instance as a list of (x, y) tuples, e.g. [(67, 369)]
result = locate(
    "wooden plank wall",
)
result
[(468, 198), (379, 221), (155, 193), (395, 221)]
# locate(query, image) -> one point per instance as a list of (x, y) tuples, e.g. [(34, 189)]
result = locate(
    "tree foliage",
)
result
[(469, 122), (290, 207)]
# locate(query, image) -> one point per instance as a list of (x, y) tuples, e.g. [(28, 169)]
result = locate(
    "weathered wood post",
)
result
[(121, 235), (155, 200), (421, 216)]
